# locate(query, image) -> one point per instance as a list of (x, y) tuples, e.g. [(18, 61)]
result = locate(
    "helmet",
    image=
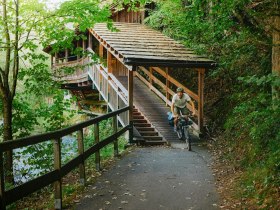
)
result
[(179, 89)]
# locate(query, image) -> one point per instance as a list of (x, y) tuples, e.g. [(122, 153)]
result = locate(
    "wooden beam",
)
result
[(150, 77), (201, 75), (109, 62), (167, 85), (130, 102), (89, 40), (101, 50)]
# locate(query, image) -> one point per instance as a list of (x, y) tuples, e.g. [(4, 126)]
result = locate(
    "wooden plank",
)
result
[(82, 171), (144, 42), (125, 42), (29, 187), (184, 59), (158, 54), (140, 48), (167, 85), (150, 74), (129, 46), (140, 37), (201, 75), (57, 166)]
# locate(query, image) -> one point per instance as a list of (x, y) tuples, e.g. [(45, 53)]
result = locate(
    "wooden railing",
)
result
[(9, 196), (80, 73), (112, 91), (164, 91)]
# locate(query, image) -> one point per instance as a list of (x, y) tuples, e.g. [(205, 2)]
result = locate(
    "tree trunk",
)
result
[(8, 135), (276, 54)]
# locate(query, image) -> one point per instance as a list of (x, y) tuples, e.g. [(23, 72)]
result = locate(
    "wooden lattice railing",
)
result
[(55, 176), (165, 92)]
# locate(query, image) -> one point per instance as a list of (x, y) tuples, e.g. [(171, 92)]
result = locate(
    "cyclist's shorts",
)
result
[(184, 110)]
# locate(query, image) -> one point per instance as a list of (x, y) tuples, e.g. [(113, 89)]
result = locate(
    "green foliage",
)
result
[(237, 35)]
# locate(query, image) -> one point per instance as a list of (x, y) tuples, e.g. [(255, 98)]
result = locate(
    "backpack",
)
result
[(170, 118)]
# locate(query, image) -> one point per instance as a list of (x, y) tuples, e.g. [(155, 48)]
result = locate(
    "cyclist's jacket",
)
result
[(181, 102)]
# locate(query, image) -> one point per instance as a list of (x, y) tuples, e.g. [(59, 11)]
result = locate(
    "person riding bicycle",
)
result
[(179, 103)]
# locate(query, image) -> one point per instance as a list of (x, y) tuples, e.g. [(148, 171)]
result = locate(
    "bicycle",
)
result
[(183, 130)]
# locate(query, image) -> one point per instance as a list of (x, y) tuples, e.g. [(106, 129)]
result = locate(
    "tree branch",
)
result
[(8, 39), (16, 56), (2, 90)]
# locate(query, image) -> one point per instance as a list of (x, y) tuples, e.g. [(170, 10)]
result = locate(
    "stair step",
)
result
[(136, 113), (145, 129), (138, 117), (152, 143), (140, 121), (141, 125), (148, 133), (153, 138)]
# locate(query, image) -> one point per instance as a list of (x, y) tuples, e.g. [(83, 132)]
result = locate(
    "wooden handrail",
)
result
[(18, 192), (165, 87)]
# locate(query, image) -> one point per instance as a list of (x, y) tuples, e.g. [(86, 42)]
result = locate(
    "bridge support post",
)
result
[(130, 102), (81, 152), (2, 184), (57, 166), (201, 75), (97, 154)]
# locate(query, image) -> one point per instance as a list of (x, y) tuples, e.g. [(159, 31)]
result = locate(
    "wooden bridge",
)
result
[(133, 77)]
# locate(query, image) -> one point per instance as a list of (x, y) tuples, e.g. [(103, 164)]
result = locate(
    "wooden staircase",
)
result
[(148, 133)]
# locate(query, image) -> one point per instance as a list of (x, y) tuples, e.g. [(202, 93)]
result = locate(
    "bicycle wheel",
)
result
[(187, 138), (180, 133)]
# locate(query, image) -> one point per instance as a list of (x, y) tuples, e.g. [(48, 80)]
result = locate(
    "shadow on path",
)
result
[(155, 178)]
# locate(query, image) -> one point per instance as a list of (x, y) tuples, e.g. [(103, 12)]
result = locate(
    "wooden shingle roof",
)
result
[(140, 45)]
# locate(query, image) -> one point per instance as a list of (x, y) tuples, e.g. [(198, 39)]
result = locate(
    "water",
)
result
[(25, 166)]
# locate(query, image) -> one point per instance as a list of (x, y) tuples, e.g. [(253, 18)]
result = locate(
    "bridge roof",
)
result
[(140, 45)]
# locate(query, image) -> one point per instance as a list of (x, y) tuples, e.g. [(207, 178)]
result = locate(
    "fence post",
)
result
[(97, 154), (115, 130), (81, 152), (130, 102), (57, 166), (2, 184)]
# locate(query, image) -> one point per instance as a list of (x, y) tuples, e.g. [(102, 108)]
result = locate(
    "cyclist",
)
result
[(179, 103)]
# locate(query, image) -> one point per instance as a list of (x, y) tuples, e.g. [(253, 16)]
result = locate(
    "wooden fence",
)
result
[(9, 196)]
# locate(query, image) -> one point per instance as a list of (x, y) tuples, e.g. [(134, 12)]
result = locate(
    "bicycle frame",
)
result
[(182, 129)]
